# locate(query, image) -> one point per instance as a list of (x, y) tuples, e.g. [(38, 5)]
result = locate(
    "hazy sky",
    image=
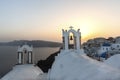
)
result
[(44, 19)]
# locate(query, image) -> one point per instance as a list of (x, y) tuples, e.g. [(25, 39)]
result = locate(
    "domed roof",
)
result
[(106, 44), (84, 67), (103, 55), (23, 72)]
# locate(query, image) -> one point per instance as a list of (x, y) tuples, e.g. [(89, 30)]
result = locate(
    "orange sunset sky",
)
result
[(44, 19)]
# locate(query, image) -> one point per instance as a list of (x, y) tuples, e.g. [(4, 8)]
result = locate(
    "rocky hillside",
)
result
[(45, 65)]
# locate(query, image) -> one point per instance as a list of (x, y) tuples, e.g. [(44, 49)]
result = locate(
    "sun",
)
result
[(85, 31)]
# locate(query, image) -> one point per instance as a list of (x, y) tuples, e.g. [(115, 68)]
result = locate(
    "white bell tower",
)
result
[(76, 37), (25, 55)]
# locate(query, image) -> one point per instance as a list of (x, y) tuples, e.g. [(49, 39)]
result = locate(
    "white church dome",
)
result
[(23, 72)]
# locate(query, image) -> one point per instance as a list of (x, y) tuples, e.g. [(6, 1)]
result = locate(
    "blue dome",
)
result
[(103, 55), (106, 44)]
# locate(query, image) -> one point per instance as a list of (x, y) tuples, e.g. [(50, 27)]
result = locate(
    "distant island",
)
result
[(34, 43)]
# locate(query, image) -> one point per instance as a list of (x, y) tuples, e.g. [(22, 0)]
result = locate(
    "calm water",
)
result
[(8, 56)]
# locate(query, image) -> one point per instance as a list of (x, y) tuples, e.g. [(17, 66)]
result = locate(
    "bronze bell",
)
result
[(71, 38), (25, 51)]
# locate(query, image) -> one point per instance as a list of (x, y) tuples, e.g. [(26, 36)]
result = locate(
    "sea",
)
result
[(8, 56)]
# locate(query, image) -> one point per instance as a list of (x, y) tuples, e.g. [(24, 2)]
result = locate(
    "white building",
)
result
[(107, 48), (117, 40), (115, 46), (104, 48)]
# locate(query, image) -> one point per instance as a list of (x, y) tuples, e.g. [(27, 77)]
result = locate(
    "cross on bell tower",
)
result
[(71, 27)]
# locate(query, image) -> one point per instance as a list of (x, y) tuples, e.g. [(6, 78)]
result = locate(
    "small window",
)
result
[(117, 45), (107, 49)]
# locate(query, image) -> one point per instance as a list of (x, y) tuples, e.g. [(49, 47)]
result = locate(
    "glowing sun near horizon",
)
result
[(86, 31), (87, 28)]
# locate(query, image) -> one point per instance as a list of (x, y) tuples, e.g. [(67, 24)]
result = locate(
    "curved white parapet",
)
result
[(23, 72), (76, 66), (113, 61)]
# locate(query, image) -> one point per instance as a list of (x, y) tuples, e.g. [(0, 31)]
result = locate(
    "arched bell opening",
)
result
[(25, 53), (72, 41)]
